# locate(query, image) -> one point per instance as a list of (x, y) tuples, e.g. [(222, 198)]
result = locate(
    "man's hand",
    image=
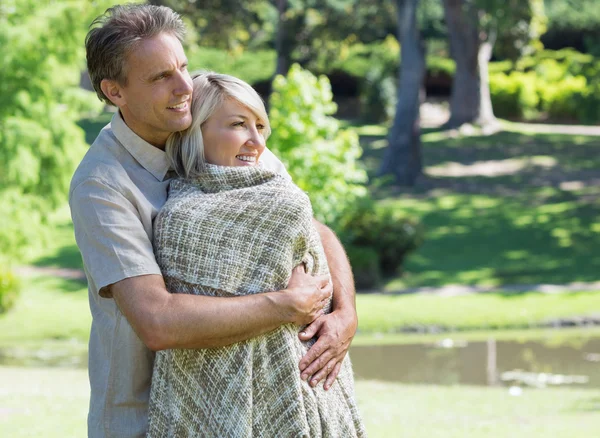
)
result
[(305, 297), (324, 359)]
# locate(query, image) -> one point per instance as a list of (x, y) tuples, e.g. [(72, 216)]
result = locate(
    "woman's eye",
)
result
[(238, 124), (260, 127)]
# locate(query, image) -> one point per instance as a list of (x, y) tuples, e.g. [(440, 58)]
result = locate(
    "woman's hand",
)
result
[(305, 297)]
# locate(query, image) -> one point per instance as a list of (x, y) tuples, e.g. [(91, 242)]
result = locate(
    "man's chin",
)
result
[(180, 125)]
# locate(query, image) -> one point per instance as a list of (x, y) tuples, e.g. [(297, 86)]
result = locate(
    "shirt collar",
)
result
[(150, 157)]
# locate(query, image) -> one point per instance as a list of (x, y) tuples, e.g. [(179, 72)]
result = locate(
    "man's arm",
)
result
[(163, 320), (336, 330), (119, 257)]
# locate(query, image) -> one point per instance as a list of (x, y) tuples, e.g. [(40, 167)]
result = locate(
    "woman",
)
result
[(232, 227)]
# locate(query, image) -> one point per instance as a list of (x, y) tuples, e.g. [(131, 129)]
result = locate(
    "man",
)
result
[(137, 63)]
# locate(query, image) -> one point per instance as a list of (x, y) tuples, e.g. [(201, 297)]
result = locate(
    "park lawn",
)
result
[(514, 207), (52, 314), (50, 311), (52, 402), (484, 311)]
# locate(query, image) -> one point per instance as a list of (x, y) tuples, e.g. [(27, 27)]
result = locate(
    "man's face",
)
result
[(156, 100)]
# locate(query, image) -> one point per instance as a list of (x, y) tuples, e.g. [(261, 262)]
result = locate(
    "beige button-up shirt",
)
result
[(115, 194)]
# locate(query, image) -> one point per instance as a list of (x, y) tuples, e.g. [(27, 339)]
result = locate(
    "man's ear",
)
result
[(112, 90)]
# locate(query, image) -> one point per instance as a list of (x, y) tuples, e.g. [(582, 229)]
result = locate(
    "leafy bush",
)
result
[(358, 59), (9, 290), (515, 95), (369, 228), (378, 96), (321, 157), (588, 103), (560, 100), (365, 266), (555, 85)]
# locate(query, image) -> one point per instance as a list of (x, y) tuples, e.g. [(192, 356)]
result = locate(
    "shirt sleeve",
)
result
[(110, 235), (274, 164)]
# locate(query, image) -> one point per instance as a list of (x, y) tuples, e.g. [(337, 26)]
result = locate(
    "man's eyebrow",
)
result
[(153, 76), (161, 73)]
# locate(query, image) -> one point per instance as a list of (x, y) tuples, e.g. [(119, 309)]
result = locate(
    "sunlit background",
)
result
[(453, 145)]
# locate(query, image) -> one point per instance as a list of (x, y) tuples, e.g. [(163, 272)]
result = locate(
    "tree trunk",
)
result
[(486, 115), (282, 42), (470, 100), (403, 155)]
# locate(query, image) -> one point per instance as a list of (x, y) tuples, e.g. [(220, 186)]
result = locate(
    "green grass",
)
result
[(381, 313), (535, 224), (48, 309), (564, 336), (53, 403)]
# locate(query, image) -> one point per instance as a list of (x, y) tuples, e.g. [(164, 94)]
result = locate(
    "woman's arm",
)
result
[(336, 330)]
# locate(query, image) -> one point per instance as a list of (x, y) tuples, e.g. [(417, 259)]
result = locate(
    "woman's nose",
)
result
[(256, 138)]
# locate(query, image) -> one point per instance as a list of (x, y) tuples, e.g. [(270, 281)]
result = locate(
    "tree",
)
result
[(311, 32), (402, 157), (226, 24), (474, 27), (40, 103)]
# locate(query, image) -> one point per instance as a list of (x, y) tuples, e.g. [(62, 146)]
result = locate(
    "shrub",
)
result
[(559, 100), (549, 90), (515, 95), (383, 229), (321, 157), (9, 290), (378, 96), (588, 104), (365, 266), (358, 59)]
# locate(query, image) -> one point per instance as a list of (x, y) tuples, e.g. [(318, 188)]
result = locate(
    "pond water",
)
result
[(493, 362), (574, 361)]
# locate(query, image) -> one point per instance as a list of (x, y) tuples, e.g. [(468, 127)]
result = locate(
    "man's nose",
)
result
[(184, 84)]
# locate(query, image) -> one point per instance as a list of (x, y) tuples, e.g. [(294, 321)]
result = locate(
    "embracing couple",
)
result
[(220, 307)]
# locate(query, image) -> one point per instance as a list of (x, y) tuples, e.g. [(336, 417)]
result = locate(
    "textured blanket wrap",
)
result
[(237, 231)]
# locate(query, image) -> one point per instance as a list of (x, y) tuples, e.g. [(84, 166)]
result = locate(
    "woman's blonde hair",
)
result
[(185, 149)]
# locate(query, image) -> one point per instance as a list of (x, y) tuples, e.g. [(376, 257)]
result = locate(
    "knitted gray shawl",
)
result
[(230, 232)]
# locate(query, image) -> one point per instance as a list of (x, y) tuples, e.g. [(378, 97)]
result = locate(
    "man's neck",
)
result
[(157, 143)]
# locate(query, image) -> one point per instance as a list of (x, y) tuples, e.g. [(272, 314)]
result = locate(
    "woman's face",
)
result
[(233, 136)]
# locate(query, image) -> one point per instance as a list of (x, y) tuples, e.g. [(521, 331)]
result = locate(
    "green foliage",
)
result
[(40, 102), (554, 84), (357, 59), (573, 23), (9, 289), (365, 266), (226, 24), (378, 96), (378, 234), (251, 66), (321, 157), (517, 25), (515, 95)]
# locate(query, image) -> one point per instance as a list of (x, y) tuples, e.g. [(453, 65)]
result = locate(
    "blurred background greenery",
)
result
[(461, 173)]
